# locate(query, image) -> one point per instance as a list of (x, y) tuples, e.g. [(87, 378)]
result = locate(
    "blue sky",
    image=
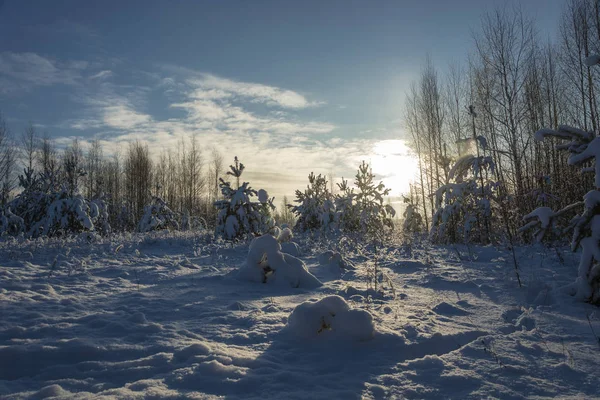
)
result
[(290, 87)]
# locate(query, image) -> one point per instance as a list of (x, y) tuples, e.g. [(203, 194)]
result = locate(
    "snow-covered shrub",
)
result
[(238, 214), (374, 216), (11, 224), (315, 209), (266, 263), (362, 211), (185, 224), (334, 260), (347, 213), (584, 147), (67, 214), (463, 206), (542, 221), (45, 211), (99, 215), (413, 222), (158, 215), (330, 317)]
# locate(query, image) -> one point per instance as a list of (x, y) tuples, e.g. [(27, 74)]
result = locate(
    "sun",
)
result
[(393, 162)]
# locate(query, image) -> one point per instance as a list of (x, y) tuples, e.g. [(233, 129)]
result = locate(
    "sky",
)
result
[(289, 87)]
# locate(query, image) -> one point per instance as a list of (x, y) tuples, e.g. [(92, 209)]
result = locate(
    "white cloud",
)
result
[(122, 116), (102, 74), (31, 69), (254, 92)]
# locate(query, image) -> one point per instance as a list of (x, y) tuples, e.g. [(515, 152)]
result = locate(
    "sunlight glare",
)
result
[(394, 163)]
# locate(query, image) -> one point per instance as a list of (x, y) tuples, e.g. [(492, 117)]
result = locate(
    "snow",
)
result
[(268, 264), (592, 60), (163, 315), (263, 196), (331, 316)]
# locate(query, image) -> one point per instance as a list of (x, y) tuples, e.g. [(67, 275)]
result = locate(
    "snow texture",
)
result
[(160, 316)]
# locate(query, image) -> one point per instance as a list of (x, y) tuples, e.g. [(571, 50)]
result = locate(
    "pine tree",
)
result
[(238, 214), (315, 208)]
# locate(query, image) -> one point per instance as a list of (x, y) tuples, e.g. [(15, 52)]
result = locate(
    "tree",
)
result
[(315, 208), (462, 203), (239, 215), (138, 180), (583, 146)]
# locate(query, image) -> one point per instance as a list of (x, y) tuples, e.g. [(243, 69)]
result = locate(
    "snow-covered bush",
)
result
[(67, 214), (158, 215), (334, 260), (374, 216), (584, 147), (100, 216), (46, 211), (347, 213), (330, 317), (362, 211), (238, 214), (542, 221), (315, 208), (11, 224), (463, 206), (266, 263), (413, 222)]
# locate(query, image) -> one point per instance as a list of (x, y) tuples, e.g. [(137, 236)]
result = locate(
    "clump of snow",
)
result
[(290, 248), (331, 316), (525, 321), (263, 196), (334, 259), (267, 263), (592, 60), (285, 235)]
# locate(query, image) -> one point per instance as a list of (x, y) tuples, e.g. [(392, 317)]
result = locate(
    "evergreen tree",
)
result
[(238, 213)]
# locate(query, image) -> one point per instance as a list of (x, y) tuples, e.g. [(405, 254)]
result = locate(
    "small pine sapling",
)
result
[(238, 214), (158, 215), (463, 206), (315, 209)]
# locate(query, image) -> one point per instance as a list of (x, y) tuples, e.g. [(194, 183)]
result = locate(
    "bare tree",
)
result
[(138, 178), (7, 163), (29, 145)]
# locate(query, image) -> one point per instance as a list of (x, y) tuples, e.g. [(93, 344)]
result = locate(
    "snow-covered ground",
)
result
[(164, 316)]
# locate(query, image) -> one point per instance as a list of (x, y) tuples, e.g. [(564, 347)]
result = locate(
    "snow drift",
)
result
[(331, 316), (266, 263)]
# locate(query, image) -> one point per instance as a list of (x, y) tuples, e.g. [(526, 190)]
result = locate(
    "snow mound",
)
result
[(334, 259), (525, 321), (290, 248), (266, 263), (331, 316), (196, 349), (448, 309), (52, 391)]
